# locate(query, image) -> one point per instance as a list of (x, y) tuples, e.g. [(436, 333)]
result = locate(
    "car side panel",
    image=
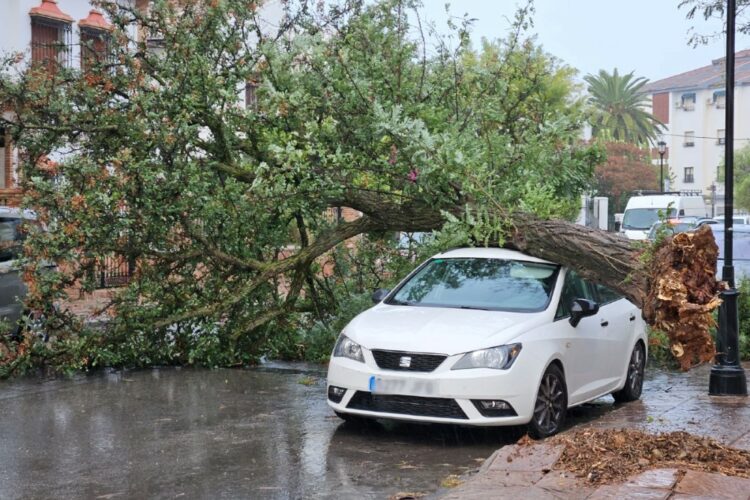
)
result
[(617, 340), (12, 290)]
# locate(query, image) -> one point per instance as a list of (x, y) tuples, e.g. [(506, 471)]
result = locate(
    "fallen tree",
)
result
[(229, 208)]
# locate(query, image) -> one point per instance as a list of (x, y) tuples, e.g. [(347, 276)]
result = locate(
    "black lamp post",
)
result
[(727, 375), (662, 148)]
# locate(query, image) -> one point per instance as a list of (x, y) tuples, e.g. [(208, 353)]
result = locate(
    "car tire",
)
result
[(634, 378), (551, 404)]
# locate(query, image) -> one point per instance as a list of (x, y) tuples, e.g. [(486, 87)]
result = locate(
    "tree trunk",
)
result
[(674, 285)]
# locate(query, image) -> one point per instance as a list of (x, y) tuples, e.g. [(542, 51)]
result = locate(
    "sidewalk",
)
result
[(670, 402)]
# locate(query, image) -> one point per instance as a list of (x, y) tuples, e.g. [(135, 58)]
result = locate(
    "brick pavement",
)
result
[(670, 402)]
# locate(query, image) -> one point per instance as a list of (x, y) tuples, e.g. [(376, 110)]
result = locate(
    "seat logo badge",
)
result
[(404, 362)]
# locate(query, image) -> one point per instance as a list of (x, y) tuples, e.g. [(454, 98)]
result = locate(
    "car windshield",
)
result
[(475, 283), (643, 218)]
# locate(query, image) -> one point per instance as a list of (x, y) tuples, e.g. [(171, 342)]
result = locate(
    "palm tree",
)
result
[(618, 114)]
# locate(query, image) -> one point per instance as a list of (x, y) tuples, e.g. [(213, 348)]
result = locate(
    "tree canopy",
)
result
[(225, 208), (628, 169), (709, 9), (618, 113)]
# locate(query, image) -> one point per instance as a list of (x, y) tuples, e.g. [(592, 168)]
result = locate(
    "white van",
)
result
[(642, 211)]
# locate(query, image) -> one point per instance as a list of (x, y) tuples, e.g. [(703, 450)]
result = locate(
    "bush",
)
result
[(744, 314), (659, 354)]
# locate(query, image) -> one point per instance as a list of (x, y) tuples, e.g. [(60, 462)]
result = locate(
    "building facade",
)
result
[(49, 33), (692, 105)]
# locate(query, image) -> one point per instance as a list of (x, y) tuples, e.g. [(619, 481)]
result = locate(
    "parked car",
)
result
[(488, 337), (671, 227), (703, 221), (740, 247), (12, 288), (736, 219), (643, 211)]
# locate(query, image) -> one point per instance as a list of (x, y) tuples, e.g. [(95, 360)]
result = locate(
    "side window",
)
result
[(606, 295), (574, 287), (11, 239)]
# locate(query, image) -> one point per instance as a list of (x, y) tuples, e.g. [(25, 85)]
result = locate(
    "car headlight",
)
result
[(347, 348), (499, 358)]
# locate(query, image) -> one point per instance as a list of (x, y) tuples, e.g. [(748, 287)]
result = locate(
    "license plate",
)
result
[(414, 387)]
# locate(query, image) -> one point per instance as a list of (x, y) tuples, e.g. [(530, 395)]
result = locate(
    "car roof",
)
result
[(737, 228), (488, 253), (15, 212)]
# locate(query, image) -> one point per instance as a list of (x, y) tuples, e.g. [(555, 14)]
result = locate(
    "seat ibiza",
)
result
[(488, 337)]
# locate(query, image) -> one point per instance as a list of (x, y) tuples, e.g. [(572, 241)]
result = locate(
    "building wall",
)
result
[(707, 153), (15, 24)]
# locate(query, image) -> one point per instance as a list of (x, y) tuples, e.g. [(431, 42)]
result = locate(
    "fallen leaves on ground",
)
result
[(611, 456), (451, 481)]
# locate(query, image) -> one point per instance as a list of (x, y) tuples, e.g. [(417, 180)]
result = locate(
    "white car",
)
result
[(488, 337)]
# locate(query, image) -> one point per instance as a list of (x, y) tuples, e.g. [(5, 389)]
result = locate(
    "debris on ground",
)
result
[(612, 456), (684, 293), (451, 481)]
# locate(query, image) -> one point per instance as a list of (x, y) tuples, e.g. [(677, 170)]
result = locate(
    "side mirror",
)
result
[(379, 294), (581, 308)]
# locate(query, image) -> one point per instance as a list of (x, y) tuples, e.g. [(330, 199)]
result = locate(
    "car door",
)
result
[(12, 288), (620, 317), (582, 343)]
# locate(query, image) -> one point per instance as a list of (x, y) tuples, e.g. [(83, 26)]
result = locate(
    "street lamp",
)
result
[(727, 375), (662, 148)]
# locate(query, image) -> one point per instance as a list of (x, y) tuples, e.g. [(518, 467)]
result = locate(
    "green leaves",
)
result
[(232, 211), (618, 103)]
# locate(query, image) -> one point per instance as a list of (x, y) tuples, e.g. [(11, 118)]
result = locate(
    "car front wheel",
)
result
[(551, 404), (634, 378)]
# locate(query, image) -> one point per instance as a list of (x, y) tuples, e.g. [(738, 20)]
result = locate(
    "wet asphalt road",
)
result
[(183, 433)]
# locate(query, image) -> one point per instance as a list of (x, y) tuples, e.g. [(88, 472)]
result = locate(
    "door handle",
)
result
[(604, 323), (632, 317)]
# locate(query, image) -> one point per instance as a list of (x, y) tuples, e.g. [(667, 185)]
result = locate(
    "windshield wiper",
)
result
[(396, 302), (475, 308)]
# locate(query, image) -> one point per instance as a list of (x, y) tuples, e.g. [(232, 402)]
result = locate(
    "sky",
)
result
[(649, 37)]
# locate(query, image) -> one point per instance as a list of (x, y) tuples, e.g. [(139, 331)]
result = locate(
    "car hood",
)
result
[(438, 330)]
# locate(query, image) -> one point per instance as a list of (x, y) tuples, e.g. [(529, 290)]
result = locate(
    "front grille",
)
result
[(407, 405), (392, 360)]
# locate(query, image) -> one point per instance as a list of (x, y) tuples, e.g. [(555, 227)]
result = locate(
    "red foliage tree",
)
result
[(628, 168)]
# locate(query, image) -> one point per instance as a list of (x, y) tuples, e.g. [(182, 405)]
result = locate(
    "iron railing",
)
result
[(114, 271)]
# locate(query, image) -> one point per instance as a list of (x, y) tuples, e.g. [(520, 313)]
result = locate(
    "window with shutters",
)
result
[(50, 43), (689, 175), (95, 48), (689, 139)]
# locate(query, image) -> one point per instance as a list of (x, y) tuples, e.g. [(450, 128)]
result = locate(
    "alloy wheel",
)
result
[(635, 370), (550, 403)]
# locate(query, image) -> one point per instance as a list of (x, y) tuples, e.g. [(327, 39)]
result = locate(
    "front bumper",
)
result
[(440, 396)]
